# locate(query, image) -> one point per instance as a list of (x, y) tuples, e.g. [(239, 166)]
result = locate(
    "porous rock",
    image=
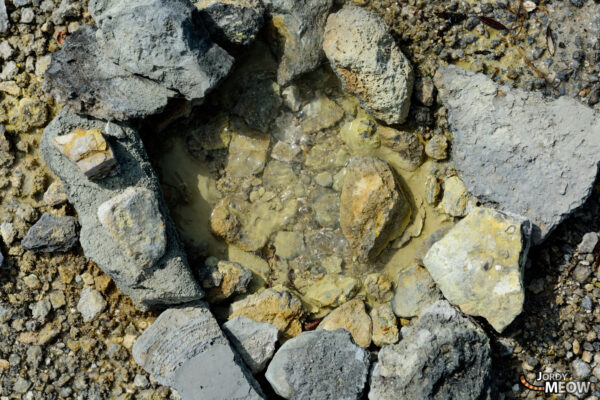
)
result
[(319, 365), (51, 233), (442, 356), (185, 348), (369, 63), (478, 265), (415, 291), (352, 317), (169, 281), (254, 341), (512, 147), (224, 280), (385, 325), (232, 22)]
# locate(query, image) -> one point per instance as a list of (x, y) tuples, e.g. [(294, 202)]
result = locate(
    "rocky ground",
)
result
[(68, 331)]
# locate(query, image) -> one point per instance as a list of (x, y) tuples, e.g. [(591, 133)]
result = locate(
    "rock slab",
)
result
[(442, 356), (169, 280), (254, 341), (51, 234), (185, 348), (369, 63), (530, 155), (478, 265), (319, 365)]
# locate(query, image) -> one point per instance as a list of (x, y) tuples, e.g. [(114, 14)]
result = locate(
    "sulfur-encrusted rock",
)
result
[(169, 280), (456, 202), (224, 280), (378, 287), (319, 365), (254, 341), (442, 356), (185, 348), (277, 307), (406, 144), (352, 317), (51, 233), (373, 210), (415, 291), (385, 325), (89, 150), (437, 147), (298, 26), (232, 22), (332, 290), (369, 63), (81, 77), (163, 40), (55, 195), (528, 154), (134, 219), (478, 265)]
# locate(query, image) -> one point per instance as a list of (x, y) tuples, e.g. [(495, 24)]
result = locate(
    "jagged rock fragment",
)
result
[(254, 341), (51, 233)]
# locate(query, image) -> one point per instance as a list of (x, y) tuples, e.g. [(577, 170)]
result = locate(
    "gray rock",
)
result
[(478, 265), (162, 40), (1, 259), (232, 22), (319, 365), (300, 26), (254, 341), (580, 369), (169, 280), (185, 348), (442, 356), (90, 304), (50, 234), (415, 291), (4, 21), (588, 243), (134, 219), (82, 78), (513, 148), (369, 63), (40, 310)]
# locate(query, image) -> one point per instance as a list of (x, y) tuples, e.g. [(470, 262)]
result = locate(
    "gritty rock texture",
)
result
[(299, 26), (478, 265), (513, 148), (4, 22), (184, 341), (277, 307), (81, 77), (352, 317), (373, 210), (90, 304), (169, 280), (369, 63), (225, 280), (232, 22), (254, 341), (134, 219), (332, 290), (442, 356), (319, 365), (50, 234), (415, 291), (385, 325), (162, 40)]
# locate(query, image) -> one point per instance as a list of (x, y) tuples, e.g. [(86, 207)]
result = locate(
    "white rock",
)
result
[(90, 304)]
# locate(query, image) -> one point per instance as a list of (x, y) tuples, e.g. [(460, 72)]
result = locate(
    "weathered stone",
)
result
[(90, 304), (258, 104), (432, 190), (232, 279), (332, 290), (588, 243), (162, 40), (478, 265), (352, 317), (437, 147), (299, 27), (442, 356), (169, 281), (513, 147), (279, 308), (51, 234), (247, 153), (56, 194), (415, 291), (404, 143), (6, 156), (373, 210), (89, 150), (378, 287), (385, 325), (456, 202), (321, 113), (8, 232), (232, 22), (82, 78), (319, 365), (425, 91), (289, 244), (369, 63), (185, 348), (134, 219), (4, 21), (254, 341)]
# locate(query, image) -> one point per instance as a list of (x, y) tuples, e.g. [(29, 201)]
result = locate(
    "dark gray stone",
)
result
[(185, 348), (527, 154), (232, 22), (168, 280), (163, 40), (319, 365), (441, 356), (50, 234)]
